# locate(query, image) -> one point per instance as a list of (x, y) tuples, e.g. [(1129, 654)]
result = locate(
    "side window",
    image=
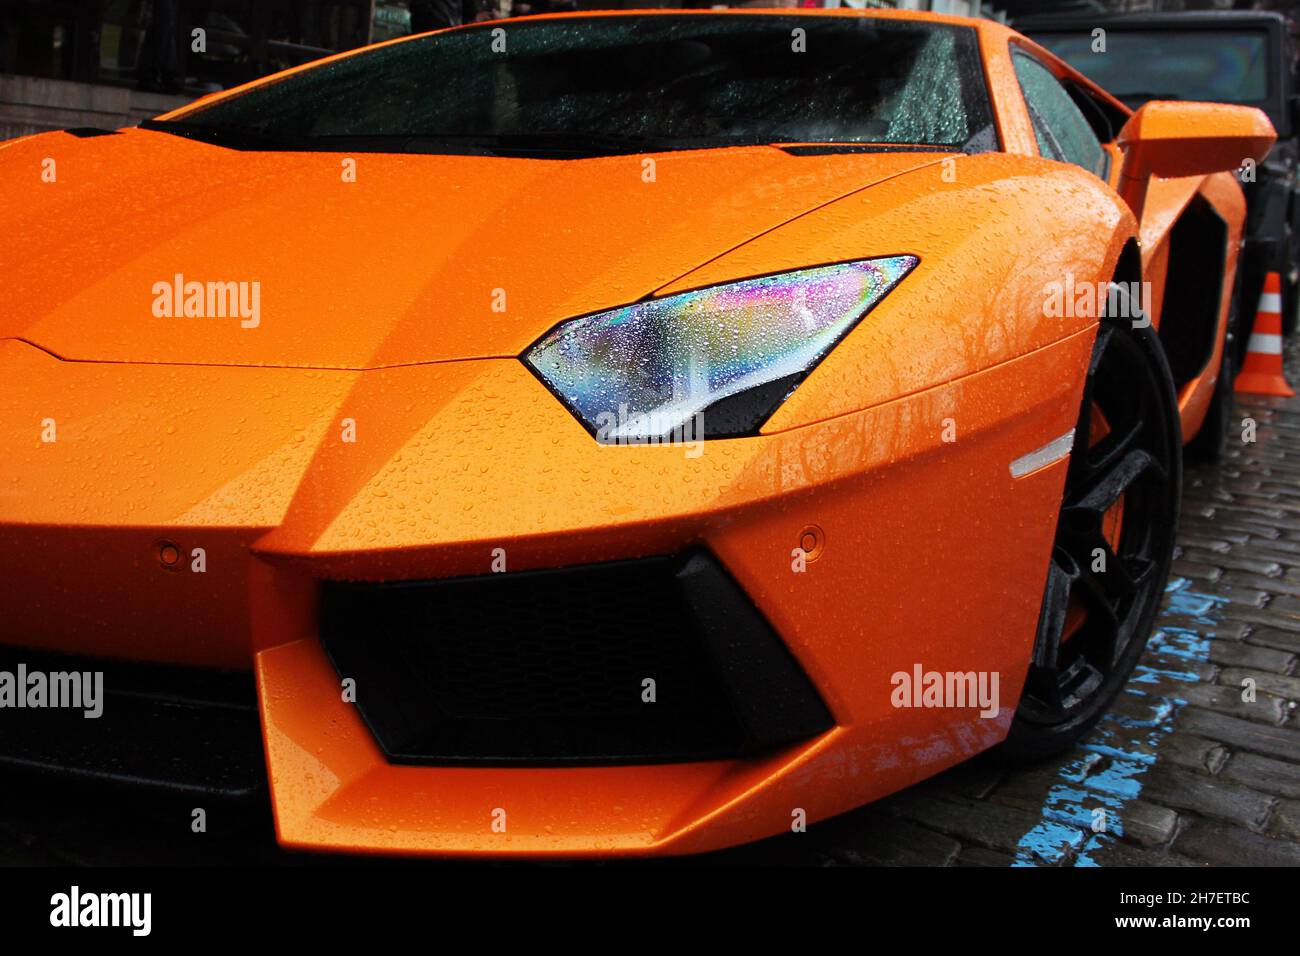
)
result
[(1063, 132)]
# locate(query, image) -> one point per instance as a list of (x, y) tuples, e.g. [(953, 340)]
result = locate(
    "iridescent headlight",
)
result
[(729, 354)]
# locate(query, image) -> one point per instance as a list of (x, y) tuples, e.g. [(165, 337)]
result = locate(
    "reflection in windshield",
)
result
[(627, 83)]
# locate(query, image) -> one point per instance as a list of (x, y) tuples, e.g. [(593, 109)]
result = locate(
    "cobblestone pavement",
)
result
[(1186, 772)]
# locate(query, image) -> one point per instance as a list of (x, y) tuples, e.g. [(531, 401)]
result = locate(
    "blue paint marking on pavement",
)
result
[(1105, 774)]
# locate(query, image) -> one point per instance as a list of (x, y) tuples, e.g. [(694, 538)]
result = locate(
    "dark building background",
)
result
[(112, 62)]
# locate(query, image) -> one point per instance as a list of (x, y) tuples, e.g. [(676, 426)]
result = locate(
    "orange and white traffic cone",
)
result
[(1261, 373)]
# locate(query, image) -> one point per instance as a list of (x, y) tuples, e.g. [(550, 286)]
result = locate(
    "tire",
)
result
[(1209, 442), (1133, 464)]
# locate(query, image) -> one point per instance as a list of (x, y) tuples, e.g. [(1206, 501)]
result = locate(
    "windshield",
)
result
[(625, 84), (1171, 65)]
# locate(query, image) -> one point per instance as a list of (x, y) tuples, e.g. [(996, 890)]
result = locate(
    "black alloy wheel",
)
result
[(1114, 542)]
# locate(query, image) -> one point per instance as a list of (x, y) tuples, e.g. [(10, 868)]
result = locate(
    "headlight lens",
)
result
[(729, 354)]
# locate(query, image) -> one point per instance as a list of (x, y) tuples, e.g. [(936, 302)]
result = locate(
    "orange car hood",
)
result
[(422, 258)]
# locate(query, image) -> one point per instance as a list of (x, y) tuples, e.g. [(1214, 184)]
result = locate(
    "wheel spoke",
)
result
[(1112, 578), (1086, 679), (1118, 577), (1062, 573), (1139, 570), (1106, 488), (1104, 456), (1102, 591)]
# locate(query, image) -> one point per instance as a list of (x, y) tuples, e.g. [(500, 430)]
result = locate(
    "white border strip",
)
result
[(1265, 343), (1053, 451)]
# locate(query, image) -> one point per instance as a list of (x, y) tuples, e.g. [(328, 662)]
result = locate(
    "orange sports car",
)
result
[(605, 434)]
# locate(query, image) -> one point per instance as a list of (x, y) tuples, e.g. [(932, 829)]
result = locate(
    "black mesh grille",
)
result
[(550, 666), (558, 645)]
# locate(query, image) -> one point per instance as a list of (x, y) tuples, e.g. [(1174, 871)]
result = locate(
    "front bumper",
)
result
[(927, 552)]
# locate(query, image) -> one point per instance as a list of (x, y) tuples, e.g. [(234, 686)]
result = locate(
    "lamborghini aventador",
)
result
[(609, 434)]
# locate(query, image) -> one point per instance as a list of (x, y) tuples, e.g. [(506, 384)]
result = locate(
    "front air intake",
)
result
[(552, 666)]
